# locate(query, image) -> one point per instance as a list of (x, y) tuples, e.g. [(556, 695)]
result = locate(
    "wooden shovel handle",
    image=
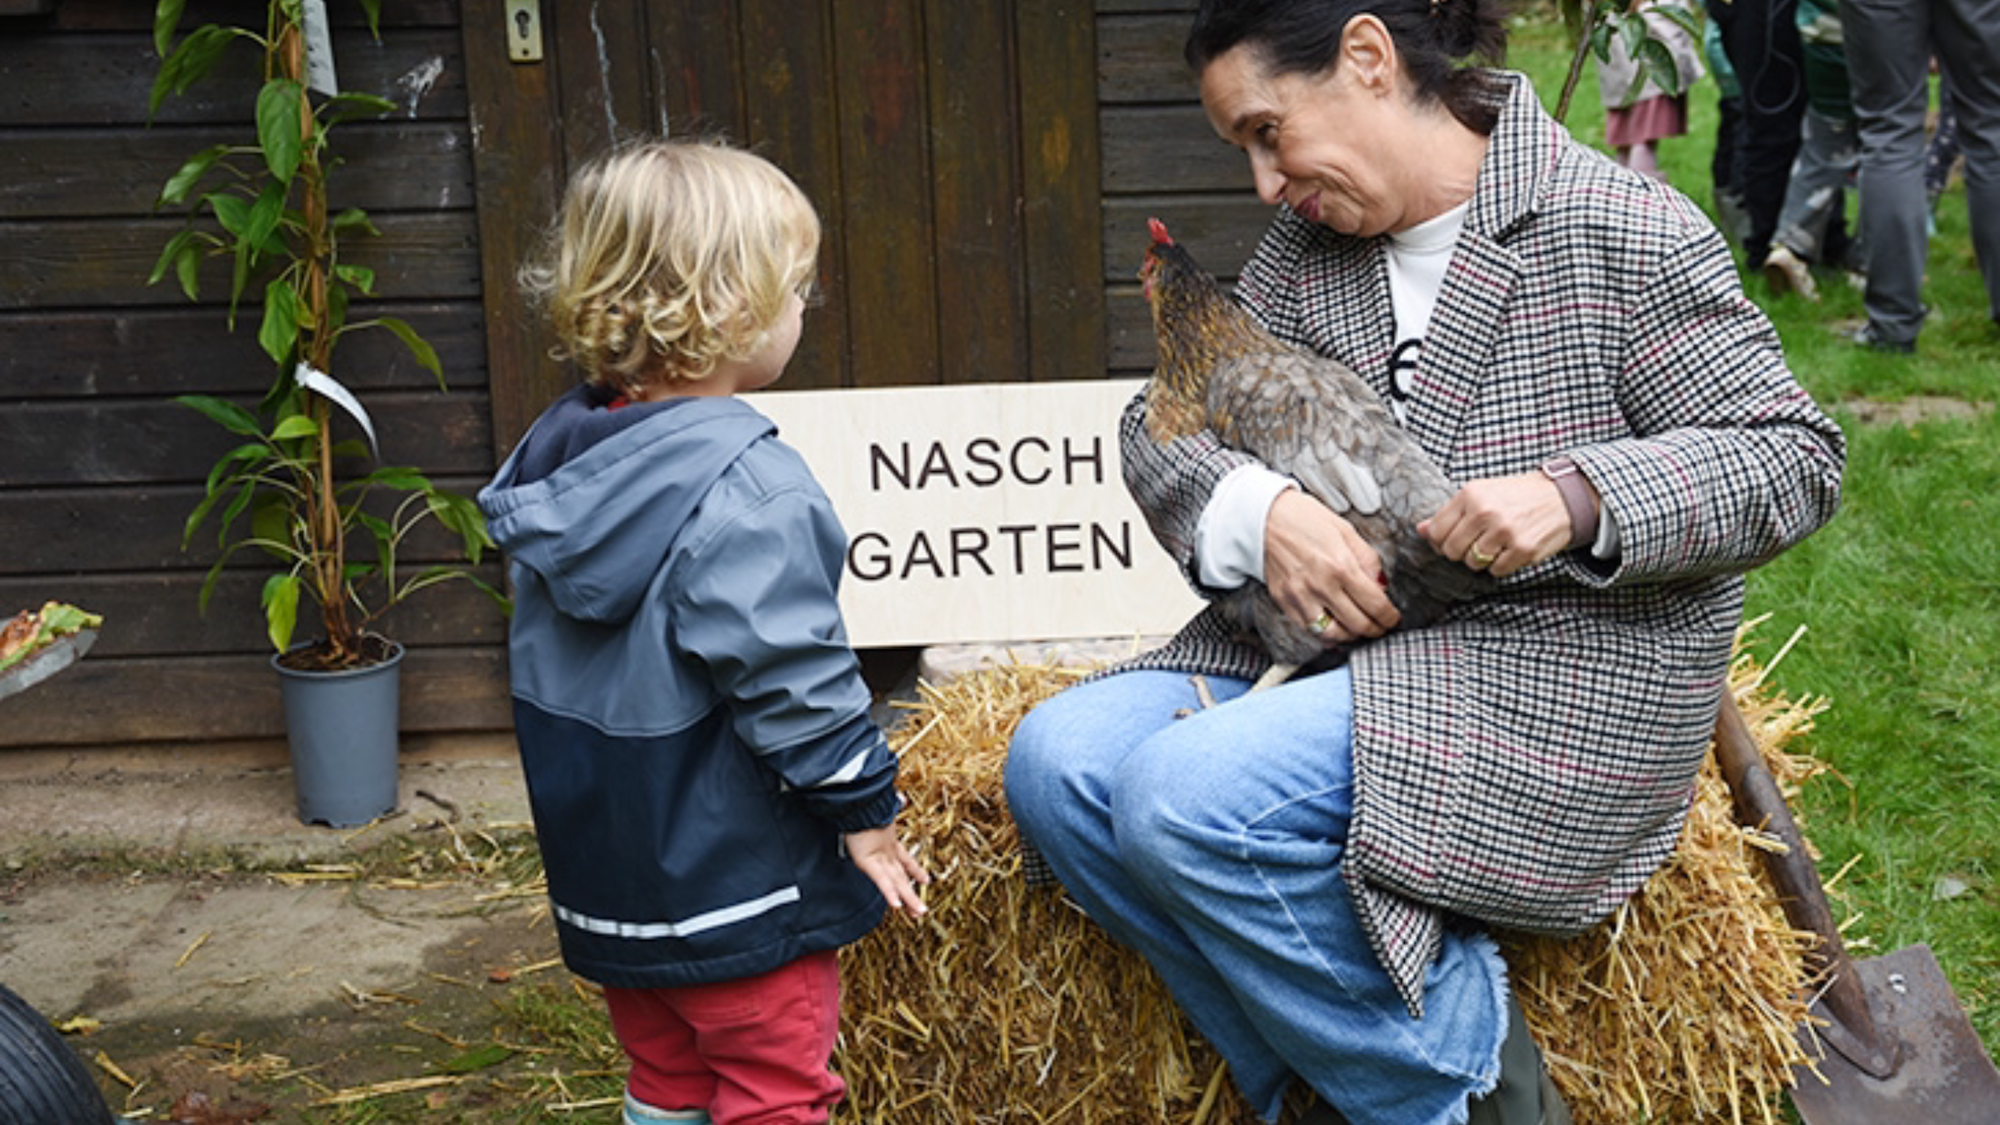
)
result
[(1759, 804)]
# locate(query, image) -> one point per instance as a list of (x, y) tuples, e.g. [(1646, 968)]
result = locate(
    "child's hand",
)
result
[(890, 866)]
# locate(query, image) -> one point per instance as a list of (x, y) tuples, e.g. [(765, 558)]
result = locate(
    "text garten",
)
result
[(1014, 548)]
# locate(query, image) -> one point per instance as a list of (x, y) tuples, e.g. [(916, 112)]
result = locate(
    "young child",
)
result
[(713, 801), (1638, 114)]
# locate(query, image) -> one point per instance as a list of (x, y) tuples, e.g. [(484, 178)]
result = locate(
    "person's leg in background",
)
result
[(1815, 198), (1761, 39), (1888, 65), (1968, 48), (1729, 214)]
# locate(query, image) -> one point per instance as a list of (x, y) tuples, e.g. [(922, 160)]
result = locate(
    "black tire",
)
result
[(42, 1082)]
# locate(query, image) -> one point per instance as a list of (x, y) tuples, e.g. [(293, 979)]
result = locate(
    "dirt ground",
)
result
[(219, 962), (214, 961)]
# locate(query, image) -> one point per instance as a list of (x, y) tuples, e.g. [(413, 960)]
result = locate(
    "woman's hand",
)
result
[(890, 866), (1322, 573), (1501, 524)]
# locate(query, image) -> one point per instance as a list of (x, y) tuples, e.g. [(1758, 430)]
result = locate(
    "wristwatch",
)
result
[(1576, 497)]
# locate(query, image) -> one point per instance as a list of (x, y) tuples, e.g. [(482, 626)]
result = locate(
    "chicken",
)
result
[(1309, 418)]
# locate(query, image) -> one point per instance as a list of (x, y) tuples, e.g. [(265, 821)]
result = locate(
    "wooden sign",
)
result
[(984, 513)]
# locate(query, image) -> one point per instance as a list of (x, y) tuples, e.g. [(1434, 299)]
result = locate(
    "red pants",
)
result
[(750, 1052)]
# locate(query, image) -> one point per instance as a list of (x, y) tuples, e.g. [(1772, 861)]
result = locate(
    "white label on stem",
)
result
[(320, 383), (320, 77)]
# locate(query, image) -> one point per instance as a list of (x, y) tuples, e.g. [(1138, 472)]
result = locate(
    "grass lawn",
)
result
[(1899, 595)]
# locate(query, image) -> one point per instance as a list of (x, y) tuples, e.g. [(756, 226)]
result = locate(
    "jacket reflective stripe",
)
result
[(652, 931), (848, 772)]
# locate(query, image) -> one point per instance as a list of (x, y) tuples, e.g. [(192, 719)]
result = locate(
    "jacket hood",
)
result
[(593, 499)]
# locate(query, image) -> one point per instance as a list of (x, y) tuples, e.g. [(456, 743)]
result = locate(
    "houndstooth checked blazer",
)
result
[(1527, 762)]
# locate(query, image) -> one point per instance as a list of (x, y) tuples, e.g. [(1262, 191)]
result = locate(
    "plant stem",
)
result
[(1576, 62), (329, 550)]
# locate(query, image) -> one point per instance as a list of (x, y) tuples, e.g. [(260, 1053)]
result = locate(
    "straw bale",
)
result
[(1005, 1004)]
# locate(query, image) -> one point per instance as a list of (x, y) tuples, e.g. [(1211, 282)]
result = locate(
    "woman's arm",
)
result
[(1732, 461)]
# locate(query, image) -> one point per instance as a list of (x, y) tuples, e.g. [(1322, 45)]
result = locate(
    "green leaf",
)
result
[(419, 347), (1600, 41), (231, 210), (226, 414), (280, 330), (281, 608), (1631, 32), (187, 270), (336, 307), (361, 277), (264, 217), (293, 427), (374, 10), (352, 106), (170, 255), (208, 583), (463, 517), (1684, 17), (402, 478), (180, 183), (194, 522), (226, 465), (274, 523), (190, 62), (1658, 62), (166, 21), (239, 277), (351, 220), (280, 105)]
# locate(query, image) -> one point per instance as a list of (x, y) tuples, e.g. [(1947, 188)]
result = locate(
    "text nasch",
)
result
[(991, 550)]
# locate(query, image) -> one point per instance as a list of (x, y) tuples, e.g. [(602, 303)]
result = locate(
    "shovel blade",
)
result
[(1945, 1076)]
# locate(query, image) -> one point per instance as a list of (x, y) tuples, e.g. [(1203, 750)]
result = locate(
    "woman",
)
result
[(1310, 867)]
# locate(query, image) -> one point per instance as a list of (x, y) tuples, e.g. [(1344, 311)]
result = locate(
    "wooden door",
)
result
[(950, 146)]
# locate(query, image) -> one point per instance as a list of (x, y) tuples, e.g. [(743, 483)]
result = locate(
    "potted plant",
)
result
[(292, 488)]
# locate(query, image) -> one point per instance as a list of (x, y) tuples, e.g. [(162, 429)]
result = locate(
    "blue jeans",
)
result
[(1212, 845)]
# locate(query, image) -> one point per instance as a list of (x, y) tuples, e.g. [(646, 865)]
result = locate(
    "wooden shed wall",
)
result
[(1161, 159), (99, 468)]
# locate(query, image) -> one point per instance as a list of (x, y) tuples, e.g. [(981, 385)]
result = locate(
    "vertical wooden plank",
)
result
[(518, 169), (886, 184), (599, 51), (975, 137), (791, 116), (697, 67), (1063, 224)]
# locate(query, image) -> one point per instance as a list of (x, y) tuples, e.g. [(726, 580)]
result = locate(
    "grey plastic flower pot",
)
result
[(343, 732)]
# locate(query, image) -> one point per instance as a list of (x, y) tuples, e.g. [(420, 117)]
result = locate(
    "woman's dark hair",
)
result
[(1431, 36)]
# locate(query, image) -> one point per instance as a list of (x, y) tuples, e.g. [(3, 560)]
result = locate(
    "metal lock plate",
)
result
[(524, 30)]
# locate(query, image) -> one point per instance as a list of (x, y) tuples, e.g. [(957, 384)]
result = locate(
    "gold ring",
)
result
[(1323, 622), (1480, 558)]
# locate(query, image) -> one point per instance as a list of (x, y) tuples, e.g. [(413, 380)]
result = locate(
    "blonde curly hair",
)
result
[(671, 256)]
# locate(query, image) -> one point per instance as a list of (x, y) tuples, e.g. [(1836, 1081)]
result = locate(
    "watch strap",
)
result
[(1576, 497)]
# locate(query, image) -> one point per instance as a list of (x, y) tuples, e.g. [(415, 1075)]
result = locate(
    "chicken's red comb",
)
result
[(1159, 230)]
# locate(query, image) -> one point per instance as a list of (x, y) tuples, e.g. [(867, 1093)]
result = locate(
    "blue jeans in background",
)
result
[(1212, 845)]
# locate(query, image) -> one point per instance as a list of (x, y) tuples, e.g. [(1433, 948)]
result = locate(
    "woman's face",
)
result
[(1328, 144)]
